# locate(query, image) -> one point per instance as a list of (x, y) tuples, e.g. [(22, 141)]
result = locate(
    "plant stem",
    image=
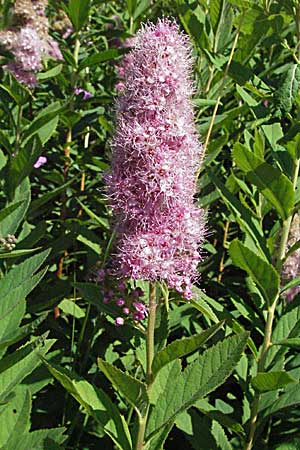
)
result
[(150, 356), (270, 316)]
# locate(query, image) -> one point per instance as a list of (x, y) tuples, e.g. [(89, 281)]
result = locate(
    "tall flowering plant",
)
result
[(156, 154)]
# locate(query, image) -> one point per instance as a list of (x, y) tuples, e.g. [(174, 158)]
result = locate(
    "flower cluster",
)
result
[(291, 267), (127, 299), (28, 40), (155, 156), (8, 242)]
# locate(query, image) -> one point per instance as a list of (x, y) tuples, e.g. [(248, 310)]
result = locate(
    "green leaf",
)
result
[(44, 439), (79, 12), (41, 76), (272, 183), (12, 221), (132, 389), (271, 381), (22, 272), (199, 302), (18, 253), (36, 204), (101, 57), (288, 88), (44, 124), (21, 165), (16, 366), (178, 390), (16, 419), (102, 222), (215, 12), (70, 307), (182, 347), (19, 333), (287, 327), (262, 273), (289, 398), (291, 343), (97, 404), (131, 6)]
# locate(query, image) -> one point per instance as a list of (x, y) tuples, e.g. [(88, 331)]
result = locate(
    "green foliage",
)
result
[(246, 102)]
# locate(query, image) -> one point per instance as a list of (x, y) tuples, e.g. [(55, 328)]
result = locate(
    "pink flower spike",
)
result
[(119, 321), (156, 154), (40, 162)]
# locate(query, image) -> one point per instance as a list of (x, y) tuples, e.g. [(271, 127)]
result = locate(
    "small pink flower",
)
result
[(119, 321), (138, 316), (86, 94), (126, 311), (120, 301), (40, 162)]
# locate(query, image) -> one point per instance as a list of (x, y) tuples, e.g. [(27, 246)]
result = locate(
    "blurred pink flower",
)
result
[(40, 162), (86, 94), (291, 267)]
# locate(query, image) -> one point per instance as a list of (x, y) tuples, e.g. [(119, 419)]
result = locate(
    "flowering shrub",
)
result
[(149, 282)]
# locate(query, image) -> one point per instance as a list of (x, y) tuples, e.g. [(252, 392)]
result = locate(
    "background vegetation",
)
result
[(247, 77)]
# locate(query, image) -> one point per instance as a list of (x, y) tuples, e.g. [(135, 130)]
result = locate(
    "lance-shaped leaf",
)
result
[(262, 273), (132, 389), (271, 182), (79, 12), (271, 381), (182, 347), (177, 391), (97, 404)]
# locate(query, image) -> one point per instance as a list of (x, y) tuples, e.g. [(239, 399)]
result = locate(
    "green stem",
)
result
[(149, 357), (270, 316)]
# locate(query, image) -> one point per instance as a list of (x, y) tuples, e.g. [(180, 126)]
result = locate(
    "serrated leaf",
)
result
[(271, 381), (16, 366), (97, 404), (271, 182), (288, 89), (204, 375), (261, 272), (44, 439), (19, 333), (182, 347), (15, 418), (290, 397), (132, 389)]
